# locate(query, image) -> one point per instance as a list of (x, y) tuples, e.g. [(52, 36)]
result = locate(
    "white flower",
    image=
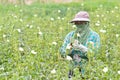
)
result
[(68, 46), (117, 35), (119, 72), (61, 28), (15, 16), (19, 30), (78, 35), (68, 8), (103, 31), (58, 17), (116, 7), (101, 5), (2, 68), (98, 15), (102, 15), (105, 69), (82, 4), (107, 11), (110, 79), (30, 26), (54, 43), (27, 25), (8, 40), (104, 26), (63, 18), (21, 10), (59, 11), (21, 49), (53, 71), (40, 33), (33, 52), (52, 19), (98, 21), (21, 20), (15, 5), (4, 35), (97, 24), (68, 58), (35, 15), (113, 24), (107, 54), (112, 11)]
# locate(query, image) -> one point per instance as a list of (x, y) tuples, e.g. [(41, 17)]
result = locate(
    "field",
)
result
[(31, 35)]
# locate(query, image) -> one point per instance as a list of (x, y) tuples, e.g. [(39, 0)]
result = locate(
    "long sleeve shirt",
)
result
[(93, 38)]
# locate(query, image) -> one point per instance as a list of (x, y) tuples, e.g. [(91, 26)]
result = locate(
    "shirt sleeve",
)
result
[(66, 42), (94, 42)]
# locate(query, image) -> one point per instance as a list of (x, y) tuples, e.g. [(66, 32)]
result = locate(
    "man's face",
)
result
[(80, 22)]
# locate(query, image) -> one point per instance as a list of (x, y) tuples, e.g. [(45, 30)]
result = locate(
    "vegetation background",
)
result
[(31, 35)]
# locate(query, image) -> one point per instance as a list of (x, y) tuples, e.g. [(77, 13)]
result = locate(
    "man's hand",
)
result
[(80, 47), (83, 48)]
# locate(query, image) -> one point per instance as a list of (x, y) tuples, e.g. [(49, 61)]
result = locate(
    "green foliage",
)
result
[(30, 38)]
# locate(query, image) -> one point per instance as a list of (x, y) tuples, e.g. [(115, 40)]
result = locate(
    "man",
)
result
[(79, 41)]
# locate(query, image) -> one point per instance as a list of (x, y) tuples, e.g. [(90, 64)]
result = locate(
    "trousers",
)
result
[(79, 60)]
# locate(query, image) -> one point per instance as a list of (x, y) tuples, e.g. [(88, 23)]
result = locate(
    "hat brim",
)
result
[(79, 19)]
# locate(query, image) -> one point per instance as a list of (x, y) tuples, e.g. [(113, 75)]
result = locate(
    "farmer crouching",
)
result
[(78, 41)]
